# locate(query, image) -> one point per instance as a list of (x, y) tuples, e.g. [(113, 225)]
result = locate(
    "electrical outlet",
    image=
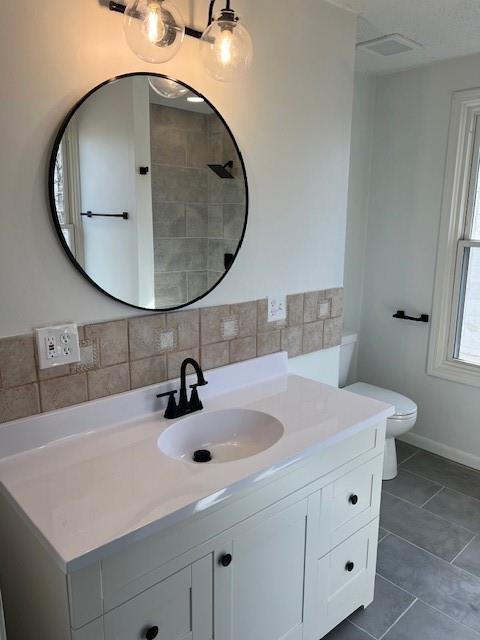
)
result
[(57, 345), (277, 308)]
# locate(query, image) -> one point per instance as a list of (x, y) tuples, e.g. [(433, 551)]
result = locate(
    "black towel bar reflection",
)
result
[(403, 316), (89, 214)]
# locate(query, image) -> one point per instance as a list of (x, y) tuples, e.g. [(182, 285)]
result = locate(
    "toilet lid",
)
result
[(403, 405)]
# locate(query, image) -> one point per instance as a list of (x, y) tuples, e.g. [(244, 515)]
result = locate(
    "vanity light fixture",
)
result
[(226, 46), (195, 99), (154, 30)]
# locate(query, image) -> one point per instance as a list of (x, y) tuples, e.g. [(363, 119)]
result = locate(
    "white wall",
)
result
[(291, 117), (358, 197), (410, 137)]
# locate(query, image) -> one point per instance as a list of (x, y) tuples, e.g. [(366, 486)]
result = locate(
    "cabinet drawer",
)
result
[(356, 496), (166, 606), (346, 505), (346, 578)]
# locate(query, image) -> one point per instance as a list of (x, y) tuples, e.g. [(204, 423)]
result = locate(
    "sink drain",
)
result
[(202, 455)]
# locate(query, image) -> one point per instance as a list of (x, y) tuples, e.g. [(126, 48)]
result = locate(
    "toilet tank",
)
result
[(348, 354)]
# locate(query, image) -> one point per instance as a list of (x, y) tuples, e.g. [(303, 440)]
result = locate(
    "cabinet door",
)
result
[(178, 608), (345, 581), (259, 594)]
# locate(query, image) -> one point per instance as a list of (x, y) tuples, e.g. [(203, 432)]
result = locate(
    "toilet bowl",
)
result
[(406, 410)]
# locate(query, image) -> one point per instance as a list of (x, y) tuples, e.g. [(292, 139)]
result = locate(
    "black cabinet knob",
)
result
[(152, 633), (226, 559), (349, 567), (353, 499)]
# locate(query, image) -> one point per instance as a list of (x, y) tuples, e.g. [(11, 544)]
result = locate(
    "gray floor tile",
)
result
[(404, 451), (470, 558), (389, 604), (412, 488), (382, 533), (423, 528), (424, 623), (347, 631), (456, 507), (449, 474), (432, 580)]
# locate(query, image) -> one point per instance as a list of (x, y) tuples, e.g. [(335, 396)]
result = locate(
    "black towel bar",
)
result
[(403, 316), (89, 214)]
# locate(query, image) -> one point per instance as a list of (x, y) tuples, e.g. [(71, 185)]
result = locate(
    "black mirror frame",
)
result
[(51, 195)]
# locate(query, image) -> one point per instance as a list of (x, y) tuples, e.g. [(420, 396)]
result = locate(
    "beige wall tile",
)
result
[(106, 382), (292, 341), (149, 371), (143, 332), (246, 313), (19, 402), (268, 343), (295, 310), (313, 337), (211, 323), (89, 356), (135, 357), (63, 392), (54, 372), (324, 308), (332, 335), (112, 341), (187, 325), (337, 301), (17, 361), (263, 326), (243, 349), (174, 361), (310, 306), (215, 355)]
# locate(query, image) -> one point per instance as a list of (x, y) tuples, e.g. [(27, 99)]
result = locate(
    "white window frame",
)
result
[(456, 220)]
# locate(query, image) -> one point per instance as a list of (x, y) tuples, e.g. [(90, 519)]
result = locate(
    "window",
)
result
[(455, 339), (59, 191)]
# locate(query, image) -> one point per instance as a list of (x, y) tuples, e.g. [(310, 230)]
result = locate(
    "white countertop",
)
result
[(90, 494)]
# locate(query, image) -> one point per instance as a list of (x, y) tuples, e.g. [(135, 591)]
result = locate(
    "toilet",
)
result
[(405, 409)]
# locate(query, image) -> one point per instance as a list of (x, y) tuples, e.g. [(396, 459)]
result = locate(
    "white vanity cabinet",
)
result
[(287, 561), (286, 558)]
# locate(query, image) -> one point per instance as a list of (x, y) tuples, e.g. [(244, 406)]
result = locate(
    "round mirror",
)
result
[(148, 191)]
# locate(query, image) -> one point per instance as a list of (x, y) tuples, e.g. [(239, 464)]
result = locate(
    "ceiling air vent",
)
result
[(390, 45)]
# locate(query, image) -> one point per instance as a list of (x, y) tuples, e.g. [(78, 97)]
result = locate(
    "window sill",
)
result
[(456, 371)]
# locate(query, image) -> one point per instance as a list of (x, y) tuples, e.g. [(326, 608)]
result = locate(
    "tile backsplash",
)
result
[(129, 354)]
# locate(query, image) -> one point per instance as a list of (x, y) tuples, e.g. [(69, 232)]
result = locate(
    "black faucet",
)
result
[(185, 406)]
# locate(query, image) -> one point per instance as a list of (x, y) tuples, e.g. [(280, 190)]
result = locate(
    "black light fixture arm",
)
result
[(189, 31)]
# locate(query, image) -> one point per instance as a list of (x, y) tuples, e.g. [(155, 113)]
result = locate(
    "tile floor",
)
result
[(428, 568)]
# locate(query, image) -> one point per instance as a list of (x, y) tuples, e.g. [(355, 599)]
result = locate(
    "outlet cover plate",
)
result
[(277, 308), (57, 345)]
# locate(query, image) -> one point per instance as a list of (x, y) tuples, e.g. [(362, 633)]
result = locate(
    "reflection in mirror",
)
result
[(149, 192)]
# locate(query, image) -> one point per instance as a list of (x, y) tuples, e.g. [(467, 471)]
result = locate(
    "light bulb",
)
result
[(154, 29), (167, 88), (226, 47), (153, 23)]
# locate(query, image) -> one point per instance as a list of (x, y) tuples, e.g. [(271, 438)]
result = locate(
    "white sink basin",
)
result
[(228, 435)]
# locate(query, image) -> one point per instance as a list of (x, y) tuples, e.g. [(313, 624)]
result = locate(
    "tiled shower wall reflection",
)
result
[(197, 216), (129, 354)]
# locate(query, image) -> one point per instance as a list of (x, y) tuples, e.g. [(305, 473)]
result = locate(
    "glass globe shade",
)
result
[(226, 49), (167, 88), (154, 29)]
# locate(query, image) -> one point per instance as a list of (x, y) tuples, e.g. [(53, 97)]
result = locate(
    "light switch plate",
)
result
[(277, 308), (57, 345)]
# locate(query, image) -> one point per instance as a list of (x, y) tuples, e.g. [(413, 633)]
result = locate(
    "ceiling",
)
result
[(444, 28)]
